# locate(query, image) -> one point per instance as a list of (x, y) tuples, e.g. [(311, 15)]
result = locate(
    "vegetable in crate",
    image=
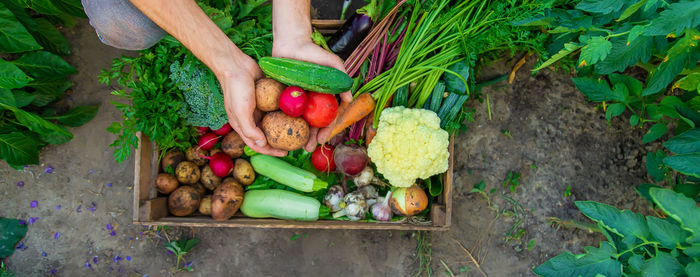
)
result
[(322, 158), (226, 200), (221, 164), (292, 101), (243, 172), (187, 173), (208, 141), (355, 206), (282, 204), (350, 159), (209, 179), (205, 205), (225, 129), (309, 76), (353, 31), (205, 103), (381, 210), (285, 132), (409, 144), (267, 91), (334, 198), (321, 109), (166, 183), (286, 174), (408, 201), (233, 145), (183, 201), (200, 189), (171, 160), (197, 155)]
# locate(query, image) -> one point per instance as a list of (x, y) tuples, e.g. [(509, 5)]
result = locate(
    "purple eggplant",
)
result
[(353, 31)]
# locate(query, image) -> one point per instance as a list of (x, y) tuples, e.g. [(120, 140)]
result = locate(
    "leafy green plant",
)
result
[(33, 79), (11, 232), (180, 248), (512, 181), (637, 245), (165, 108), (4, 272)]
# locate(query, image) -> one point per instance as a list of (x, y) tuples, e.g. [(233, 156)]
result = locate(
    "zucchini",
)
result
[(286, 174), (281, 204), (308, 76)]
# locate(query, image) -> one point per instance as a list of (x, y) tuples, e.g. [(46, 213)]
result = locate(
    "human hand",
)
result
[(305, 50), (238, 86)]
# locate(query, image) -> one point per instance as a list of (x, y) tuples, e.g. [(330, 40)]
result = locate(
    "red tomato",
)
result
[(321, 109), (322, 158)]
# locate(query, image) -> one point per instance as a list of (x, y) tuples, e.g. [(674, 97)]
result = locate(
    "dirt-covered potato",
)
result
[(209, 179), (183, 201), (267, 93), (232, 145), (214, 151), (166, 183), (205, 205), (243, 172), (285, 132), (187, 173), (171, 160), (196, 155), (200, 188), (226, 200), (228, 179)]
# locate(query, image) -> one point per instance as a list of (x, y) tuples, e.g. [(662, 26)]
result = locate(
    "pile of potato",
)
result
[(194, 187)]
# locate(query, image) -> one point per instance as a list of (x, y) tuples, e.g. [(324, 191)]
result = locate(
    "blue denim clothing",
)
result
[(119, 24)]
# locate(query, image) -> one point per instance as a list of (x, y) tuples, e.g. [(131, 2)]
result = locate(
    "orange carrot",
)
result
[(356, 110), (370, 132)]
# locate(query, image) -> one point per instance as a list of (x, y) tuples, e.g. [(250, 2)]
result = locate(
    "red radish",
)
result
[(322, 158), (202, 130), (208, 141), (225, 129), (350, 159), (292, 101), (221, 164), (321, 109)]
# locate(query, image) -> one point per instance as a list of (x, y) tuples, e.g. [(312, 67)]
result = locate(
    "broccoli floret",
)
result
[(204, 101)]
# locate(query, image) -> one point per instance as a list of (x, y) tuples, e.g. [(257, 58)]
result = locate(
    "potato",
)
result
[(200, 189), (183, 201), (187, 173), (209, 179), (171, 160), (267, 94), (196, 155), (243, 172), (166, 183), (226, 200), (214, 151), (232, 145), (205, 205), (285, 132), (228, 179)]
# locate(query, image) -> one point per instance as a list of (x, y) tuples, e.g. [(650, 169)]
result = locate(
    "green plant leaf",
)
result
[(623, 223), (22, 98), (47, 131), (690, 116), (18, 149), (43, 7), (42, 63), (663, 264), (693, 269), (189, 244), (636, 262), (687, 142), (49, 89), (680, 208), (677, 57), (655, 132), (49, 37), (620, 92), (600, 6), (629, 11), (594, 261), (688, 164), (634, 86), (690, 190), (625, 54), (71, 7), (643, 190), (568, 49), (674, 19), (692, 251), (596, 49), (635, 32), (11, 232), (594, 90), (14, 37), (11, 76), (78, 115), (614, 110), (454, 83), (670, 235), (655, 165), (690, 82)]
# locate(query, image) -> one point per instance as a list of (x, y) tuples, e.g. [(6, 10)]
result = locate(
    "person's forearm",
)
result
[(291, 20), (184, 20)]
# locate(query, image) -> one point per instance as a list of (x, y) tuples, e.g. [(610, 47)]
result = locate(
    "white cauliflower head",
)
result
[(409, 144)]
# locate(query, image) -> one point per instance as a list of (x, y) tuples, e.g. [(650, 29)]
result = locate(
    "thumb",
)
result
[(252, 132)]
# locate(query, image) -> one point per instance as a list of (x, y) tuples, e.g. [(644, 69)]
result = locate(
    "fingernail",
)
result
[(260, 143)]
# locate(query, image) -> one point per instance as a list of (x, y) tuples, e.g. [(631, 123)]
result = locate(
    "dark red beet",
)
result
[(350, 160)]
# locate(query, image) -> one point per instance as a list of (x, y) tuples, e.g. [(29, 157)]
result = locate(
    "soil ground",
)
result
[(539, 126)]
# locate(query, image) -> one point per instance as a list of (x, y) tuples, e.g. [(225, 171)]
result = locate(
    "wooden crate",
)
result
[(151, 209)]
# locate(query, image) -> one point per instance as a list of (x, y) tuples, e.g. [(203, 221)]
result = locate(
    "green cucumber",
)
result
[(286, 174), (281, 204), (308, 76)]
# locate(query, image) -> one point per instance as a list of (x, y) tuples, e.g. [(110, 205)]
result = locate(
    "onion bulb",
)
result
[(408, 201)]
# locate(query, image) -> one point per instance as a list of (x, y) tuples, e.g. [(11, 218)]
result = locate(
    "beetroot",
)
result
[(224, 130), (292, 101), (350, 159), (221, 164), (322, 158), (208, 141)]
